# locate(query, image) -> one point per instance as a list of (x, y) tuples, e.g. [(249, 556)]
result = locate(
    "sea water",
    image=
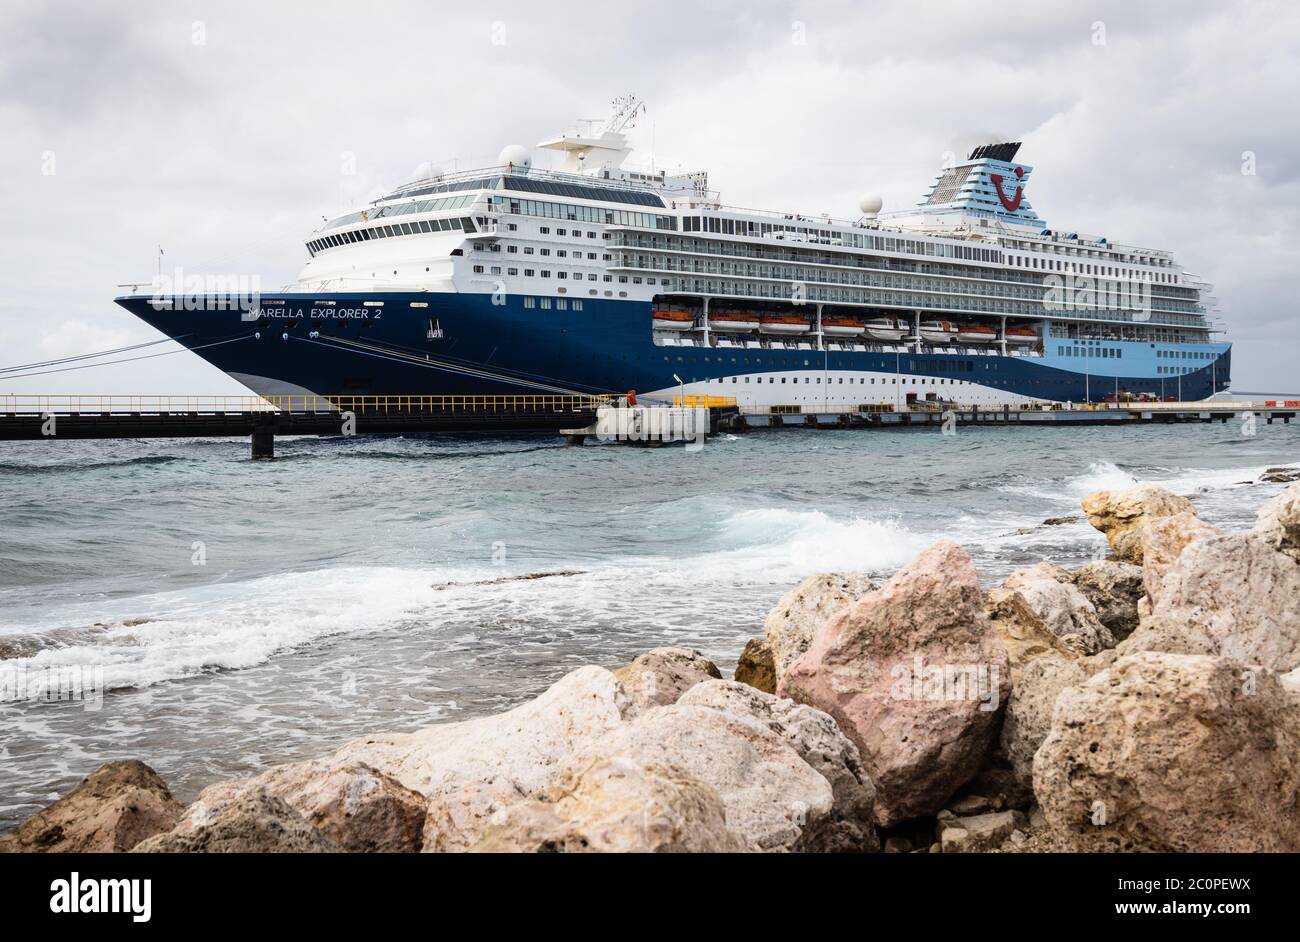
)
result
[(236, 614)]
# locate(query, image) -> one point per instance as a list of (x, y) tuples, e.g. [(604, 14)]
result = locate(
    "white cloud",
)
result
[(229, 153)]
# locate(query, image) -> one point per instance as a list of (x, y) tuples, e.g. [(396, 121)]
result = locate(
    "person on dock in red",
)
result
[(631, 398)]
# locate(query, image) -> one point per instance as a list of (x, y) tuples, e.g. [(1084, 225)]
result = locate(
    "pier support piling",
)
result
[(263, 441)]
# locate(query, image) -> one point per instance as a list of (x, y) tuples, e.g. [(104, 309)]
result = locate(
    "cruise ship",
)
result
[(593, 278)]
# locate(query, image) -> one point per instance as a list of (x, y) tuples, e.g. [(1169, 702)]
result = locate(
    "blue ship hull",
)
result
[(299, 344)]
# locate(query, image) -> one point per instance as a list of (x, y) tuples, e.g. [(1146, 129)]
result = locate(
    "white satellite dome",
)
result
[(426, 171), (515, 155), (870, 203)]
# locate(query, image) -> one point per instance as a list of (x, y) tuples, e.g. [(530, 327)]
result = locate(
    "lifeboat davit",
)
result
[(1022, 335), (737, 321), (977, 333), (939, 332), (673, 320), (784, 324), (887, 328), (842, 327)]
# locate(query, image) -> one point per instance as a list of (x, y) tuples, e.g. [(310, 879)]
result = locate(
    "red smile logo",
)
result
[(1011, 203)]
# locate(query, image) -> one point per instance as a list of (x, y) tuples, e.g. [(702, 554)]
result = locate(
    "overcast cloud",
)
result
[(218, 130)]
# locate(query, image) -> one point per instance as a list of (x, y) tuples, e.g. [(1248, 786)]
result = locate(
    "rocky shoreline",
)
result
[(1145, 702)]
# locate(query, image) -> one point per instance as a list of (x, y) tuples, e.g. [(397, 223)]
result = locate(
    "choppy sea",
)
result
[(238, 614)]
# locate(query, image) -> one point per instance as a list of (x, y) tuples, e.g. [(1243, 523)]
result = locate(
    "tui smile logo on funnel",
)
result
[(1012, 203)]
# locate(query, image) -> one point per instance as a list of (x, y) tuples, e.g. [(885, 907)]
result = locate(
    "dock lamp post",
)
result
[(681, 386)]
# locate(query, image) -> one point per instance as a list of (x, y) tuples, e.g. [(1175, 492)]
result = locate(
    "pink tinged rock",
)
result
[(915, 675), (661, 675), (1163, 541), (1173, 752), (1232, 595), (799, 615)]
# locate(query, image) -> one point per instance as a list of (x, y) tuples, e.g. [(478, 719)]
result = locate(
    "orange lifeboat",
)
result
[(977, 333), (673, 319), (785, 324), (733, 321), (842, 327), (1022, 335)]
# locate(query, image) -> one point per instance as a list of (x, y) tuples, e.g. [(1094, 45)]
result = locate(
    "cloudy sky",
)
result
[(223, 132)]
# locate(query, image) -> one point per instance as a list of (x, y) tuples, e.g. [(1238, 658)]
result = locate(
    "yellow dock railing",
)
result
[(707, 402)]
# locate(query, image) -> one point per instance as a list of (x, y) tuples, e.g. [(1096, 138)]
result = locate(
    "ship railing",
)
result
[(117, 404), (534, 173)]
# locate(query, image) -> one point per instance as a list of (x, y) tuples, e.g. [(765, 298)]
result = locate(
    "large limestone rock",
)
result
[(1029, 710), (661, 675), (1119, 515), (110, 811), (358, 808), (521, 749), (469, 770), (1038, 611), (915, 675), (773, 799), (799, 614), (1231, 595), (756, 666), (1278, 522), (818, 741), (253, 823), (1163, 541), (1169, 752), (1114, 589), (615, 805)]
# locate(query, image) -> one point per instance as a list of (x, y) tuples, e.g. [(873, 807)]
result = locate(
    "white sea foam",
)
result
[(147, 639), (233, 625), (781, 542)]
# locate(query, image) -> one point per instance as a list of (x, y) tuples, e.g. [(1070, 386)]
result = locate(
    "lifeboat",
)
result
[(1022, 335), (673, 320), (737, 321), (938, 332), (887, 328), (842, 327), (977, 333), (784, 324)]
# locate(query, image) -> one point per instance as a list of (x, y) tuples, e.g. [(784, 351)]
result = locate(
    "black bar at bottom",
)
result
[(947, 895)]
